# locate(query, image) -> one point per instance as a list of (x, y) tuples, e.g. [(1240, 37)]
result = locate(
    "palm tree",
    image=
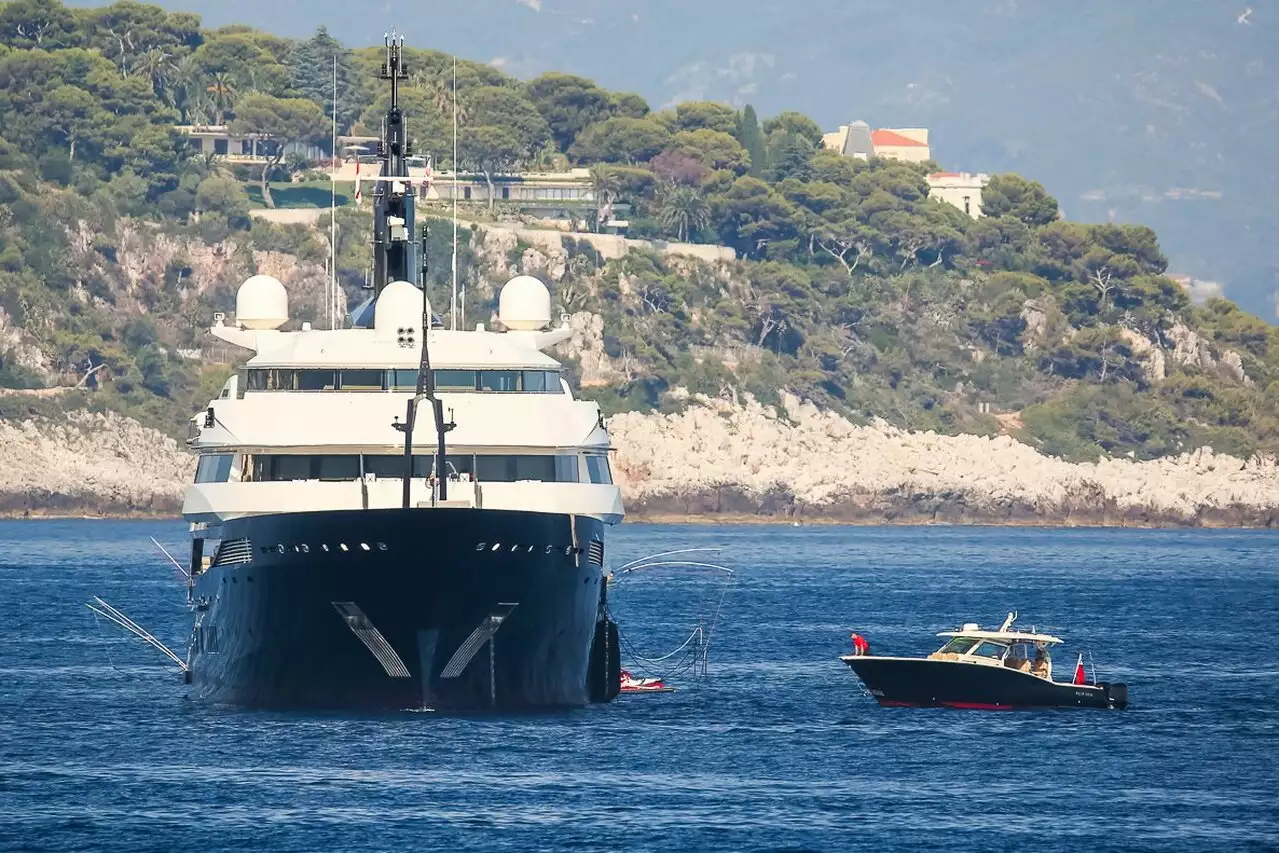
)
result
[(684, 209), (224, 93), (606, 186), (155, 64)]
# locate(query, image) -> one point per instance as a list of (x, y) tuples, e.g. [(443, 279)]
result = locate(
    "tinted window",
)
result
[(499, 380), (541, 468), (566, 469), (958, 645), (553, 382), (384, 466), (214, 468), (455, 380), (494, 469), (316, 380), (597, 466), (290, 468), (404, 380), (534, 380), (337, 467), (255, 380), (361, 380)]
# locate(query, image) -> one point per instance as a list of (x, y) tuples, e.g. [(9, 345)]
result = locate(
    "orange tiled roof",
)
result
[(887, 137)]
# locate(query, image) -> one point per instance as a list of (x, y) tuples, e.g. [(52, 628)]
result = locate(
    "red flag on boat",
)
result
[(1079, 671)]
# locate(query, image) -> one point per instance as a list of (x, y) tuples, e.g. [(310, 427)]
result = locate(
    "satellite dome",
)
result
[(398, 312), (261, 303), (524, 304)]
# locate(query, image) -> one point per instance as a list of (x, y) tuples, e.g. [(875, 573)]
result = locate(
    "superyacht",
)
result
[(347, 552)]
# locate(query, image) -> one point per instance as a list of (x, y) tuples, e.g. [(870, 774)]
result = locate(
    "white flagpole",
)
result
[(455, 175), (333, 206)]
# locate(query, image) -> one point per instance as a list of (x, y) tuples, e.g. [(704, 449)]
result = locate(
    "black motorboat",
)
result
[(1002, 669)]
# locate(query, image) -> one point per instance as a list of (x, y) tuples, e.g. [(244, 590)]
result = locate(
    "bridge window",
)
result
[(500, 380), (214, 468), (361, 380), (317, 380), (455, 380), (547, 468), (597, 467), (451, 380)]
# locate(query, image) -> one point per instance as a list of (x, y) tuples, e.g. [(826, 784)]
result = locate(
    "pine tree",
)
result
[(311, 64), (750, 137)]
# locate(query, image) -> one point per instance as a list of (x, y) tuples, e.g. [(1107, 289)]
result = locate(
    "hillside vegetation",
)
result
[(853, 289)]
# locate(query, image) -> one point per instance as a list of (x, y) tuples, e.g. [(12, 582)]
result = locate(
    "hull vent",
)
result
[(595, 552), (233, 551)]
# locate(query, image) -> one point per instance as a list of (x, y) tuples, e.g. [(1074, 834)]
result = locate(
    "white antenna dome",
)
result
[(261, 303), (524, 304), (398, 313)]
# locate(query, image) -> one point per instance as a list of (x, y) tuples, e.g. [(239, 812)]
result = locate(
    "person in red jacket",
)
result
[(860, 646)]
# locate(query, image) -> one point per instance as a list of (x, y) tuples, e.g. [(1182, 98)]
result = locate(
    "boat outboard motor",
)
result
[(1116, 694)]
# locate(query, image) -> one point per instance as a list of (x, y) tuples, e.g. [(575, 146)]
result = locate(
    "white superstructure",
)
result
[(309, 424)]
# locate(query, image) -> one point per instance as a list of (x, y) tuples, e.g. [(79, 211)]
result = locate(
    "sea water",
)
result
[(775, 748)]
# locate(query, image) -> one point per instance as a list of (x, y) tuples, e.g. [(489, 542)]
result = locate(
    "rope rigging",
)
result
[(692, 654)]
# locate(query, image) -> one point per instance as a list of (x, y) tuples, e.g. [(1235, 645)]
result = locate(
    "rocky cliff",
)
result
[(719, 459), (90, 464)]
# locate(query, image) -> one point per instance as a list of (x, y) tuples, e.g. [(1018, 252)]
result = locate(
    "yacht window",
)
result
[(385, 466), (566, 469), (403, 380), (494, 469), (989, 649), (336, 467), (541, 468), (316, 380), (553, 382), (534, 380), (957, 646), (597, 466), (361, 380), (455, 380), (499, 380), (255, 380), (214, 468), (289, 468), (281, 380)]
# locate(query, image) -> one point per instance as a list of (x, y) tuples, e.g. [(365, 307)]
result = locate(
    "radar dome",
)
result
[(524, 304), (261, 303), (398, 312)]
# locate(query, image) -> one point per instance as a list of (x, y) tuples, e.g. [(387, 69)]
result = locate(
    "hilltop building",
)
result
[(909, 144), (960, 189), (218, 140)]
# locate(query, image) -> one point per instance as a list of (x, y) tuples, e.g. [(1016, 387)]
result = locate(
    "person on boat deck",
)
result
[(860, 646), (1040, 666)]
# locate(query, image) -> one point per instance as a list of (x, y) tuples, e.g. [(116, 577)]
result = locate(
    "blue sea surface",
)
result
[(777, 748)]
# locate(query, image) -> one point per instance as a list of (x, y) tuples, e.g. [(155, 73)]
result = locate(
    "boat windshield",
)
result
[(990, 649), (957, 646)]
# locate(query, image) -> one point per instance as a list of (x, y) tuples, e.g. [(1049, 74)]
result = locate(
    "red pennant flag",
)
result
[(1079, 671)]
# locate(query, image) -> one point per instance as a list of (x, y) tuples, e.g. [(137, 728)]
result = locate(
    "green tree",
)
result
[(224, 195), (507, 108), (713, 149), (569, 104), (683, 210), (705, 115), (1013, 195), (282, 122), (223, 94), (751, 139), (44, 24), (311, 64), (606, 186), (620, 140), (628, 104), (126, 30), (490, 150), (72, 114), (797, 124)]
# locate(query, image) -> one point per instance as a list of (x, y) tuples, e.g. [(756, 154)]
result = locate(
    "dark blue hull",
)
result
[(420, 608)]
